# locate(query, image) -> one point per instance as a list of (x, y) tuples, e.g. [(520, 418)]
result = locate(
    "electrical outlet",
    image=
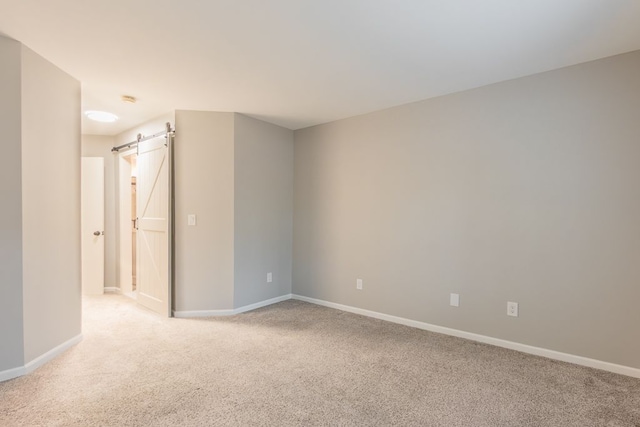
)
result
[(359, 284), (454, 300), (269, 277), (512, 309)]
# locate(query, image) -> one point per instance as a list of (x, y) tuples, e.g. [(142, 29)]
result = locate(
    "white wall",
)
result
[(525, 191), (204, 174), (11, 326), (263, 210), (50, 205), (100, 146)]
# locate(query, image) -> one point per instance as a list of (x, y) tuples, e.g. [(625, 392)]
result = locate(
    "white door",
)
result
[(152, 202), (92, 225)]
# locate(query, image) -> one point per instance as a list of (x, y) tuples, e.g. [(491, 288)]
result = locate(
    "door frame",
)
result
[(125, 241)]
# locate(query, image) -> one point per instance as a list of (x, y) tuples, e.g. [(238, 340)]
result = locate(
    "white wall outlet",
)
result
[(512, 309), (191, 219), (269, 277), (454, 300), (359, 284)]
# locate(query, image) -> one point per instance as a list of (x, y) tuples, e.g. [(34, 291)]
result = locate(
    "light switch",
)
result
[(454, 300), (191, 219)]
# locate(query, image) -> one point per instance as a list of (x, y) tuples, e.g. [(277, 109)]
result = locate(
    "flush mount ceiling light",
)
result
[(101, 116)]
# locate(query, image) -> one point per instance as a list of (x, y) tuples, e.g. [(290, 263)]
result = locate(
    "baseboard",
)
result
[(262, 304), (111, 290), (524, 348), (40, 360), (229, 312), (52, 354), (201, 313), (10, 374)]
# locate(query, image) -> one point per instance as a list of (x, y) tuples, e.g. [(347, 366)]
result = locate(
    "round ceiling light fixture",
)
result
[(101, 116)]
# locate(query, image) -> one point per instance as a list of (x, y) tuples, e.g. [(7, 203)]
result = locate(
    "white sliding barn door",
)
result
[(152, 202)]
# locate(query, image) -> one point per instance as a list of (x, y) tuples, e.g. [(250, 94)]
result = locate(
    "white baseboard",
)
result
[(262, 304), (52, 354), (40, 360), (229, 312), (10, 374), (524, 348), (201, 313), (111, 290)]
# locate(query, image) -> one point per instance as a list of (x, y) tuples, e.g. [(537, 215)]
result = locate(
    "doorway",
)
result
[(133, 225), (145, 221), (129, 171)]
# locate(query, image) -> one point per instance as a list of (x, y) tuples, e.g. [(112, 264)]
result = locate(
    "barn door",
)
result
[(152, 202)]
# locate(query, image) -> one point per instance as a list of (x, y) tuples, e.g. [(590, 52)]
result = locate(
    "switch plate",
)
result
[(359, 284), (454, 300), (269, 277), (512, 309), (191, 219)]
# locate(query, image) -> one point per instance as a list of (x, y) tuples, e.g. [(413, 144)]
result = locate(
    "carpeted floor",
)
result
[(295, 363)]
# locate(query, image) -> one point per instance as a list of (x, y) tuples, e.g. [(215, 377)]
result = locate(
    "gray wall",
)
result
[(204, 169), (525, 191), (263, 210), (100, 146), (11, 327), (50, 205)]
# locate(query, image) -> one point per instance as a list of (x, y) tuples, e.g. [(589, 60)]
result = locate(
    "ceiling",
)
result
[(298, 63)]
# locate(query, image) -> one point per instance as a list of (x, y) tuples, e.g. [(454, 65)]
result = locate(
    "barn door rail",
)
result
[(168, 130)]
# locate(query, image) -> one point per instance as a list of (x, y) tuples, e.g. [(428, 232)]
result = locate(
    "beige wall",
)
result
[(204, 174), (263, 211), (50, 205), (522, 191), (11, 327), (100, 146)]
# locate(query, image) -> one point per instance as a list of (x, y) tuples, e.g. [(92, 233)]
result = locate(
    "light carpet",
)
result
[(297, 364)]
